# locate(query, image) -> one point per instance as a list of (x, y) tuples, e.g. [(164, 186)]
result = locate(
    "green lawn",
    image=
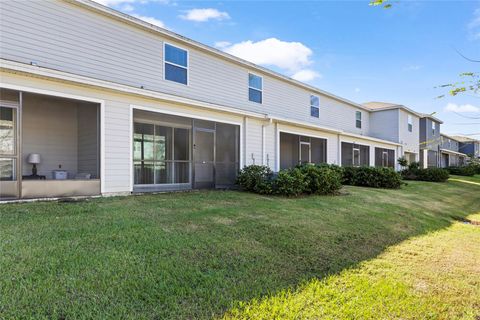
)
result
[(475, 178), (366, 254)]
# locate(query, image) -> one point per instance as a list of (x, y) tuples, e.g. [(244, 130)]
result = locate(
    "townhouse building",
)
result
[(450, 152), (97, 102), (430, 142), (469, 146)]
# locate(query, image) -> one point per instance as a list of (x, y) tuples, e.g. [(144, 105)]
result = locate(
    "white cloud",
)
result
[(222, 44), (474, 25), (203, 15), (150, 20), (305, 75), (128, 7), (357, 90), (463, 108), (291, 56)]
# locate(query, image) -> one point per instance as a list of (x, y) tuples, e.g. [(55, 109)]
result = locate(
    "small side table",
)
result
[(34, 177)]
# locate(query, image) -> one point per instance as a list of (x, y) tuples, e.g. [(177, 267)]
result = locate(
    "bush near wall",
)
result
[(305, 179), (374, 177), (468, 170), (414, 172)]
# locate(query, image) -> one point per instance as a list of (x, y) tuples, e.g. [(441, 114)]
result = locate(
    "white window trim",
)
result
[(309, 144), (261, 91), (361, 120), (409, 123), (312, 106), (176, 65)]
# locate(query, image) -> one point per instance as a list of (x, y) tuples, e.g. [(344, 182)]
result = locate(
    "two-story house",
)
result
[(450, 152), (396, 122), (469, 146), (94, 101)]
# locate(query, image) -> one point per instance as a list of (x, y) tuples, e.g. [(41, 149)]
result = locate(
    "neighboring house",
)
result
[(450, 152), (94, 101), (430, 142), (397, 123), (469, 146)]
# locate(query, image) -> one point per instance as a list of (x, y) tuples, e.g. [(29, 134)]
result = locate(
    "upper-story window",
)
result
[(314, 106), (433, 128), (358, 119), (176, 64), (255, 88), (410, 123)]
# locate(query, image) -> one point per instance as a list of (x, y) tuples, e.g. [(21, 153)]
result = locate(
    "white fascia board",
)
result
[(453, 152)]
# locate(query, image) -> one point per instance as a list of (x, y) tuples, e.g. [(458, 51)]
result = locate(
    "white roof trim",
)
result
[(400, 106), (91, 5), (453, 152)]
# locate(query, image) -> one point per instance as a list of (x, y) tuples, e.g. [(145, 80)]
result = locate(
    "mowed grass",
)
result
[(475, 178), (367, 253)]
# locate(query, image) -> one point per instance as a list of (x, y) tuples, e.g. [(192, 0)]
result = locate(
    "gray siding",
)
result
[(429, 140), (384, 125), (63, 36), (449, 144)]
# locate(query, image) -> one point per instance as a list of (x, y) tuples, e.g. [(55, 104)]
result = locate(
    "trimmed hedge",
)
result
[(256, 179), (374, 177), (322, 178), (428, 174), (305, 179), (468, 170)]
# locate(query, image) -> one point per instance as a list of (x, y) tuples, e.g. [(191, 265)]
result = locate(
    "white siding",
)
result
[(63, 36)]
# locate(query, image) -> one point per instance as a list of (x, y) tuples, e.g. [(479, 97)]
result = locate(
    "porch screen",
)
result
[(432, 159), (384, 158), (226, 154), (297, 149), (161, 154), (355, 155)]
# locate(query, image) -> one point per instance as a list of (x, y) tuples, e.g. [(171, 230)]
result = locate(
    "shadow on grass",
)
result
[(196, 255)]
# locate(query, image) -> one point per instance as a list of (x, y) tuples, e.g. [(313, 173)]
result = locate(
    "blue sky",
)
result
[(348, 48)]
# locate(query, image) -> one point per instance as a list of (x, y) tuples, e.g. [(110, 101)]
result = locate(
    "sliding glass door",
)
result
[(161, 155)]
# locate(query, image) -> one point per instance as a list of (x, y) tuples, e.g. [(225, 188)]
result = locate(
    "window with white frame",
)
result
[(255, 88), (176, 64), (358, 119), (314, 106), (410, 123), (433, 128)]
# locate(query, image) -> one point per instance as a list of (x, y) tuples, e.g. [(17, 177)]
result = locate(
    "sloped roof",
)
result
[(465, 139), (381, 106)]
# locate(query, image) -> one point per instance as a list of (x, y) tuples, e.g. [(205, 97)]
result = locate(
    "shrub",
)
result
[(290, 182), (468, 170), (322, 178), (403, 162), (429, 174), (373, 177), (255, 178)]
